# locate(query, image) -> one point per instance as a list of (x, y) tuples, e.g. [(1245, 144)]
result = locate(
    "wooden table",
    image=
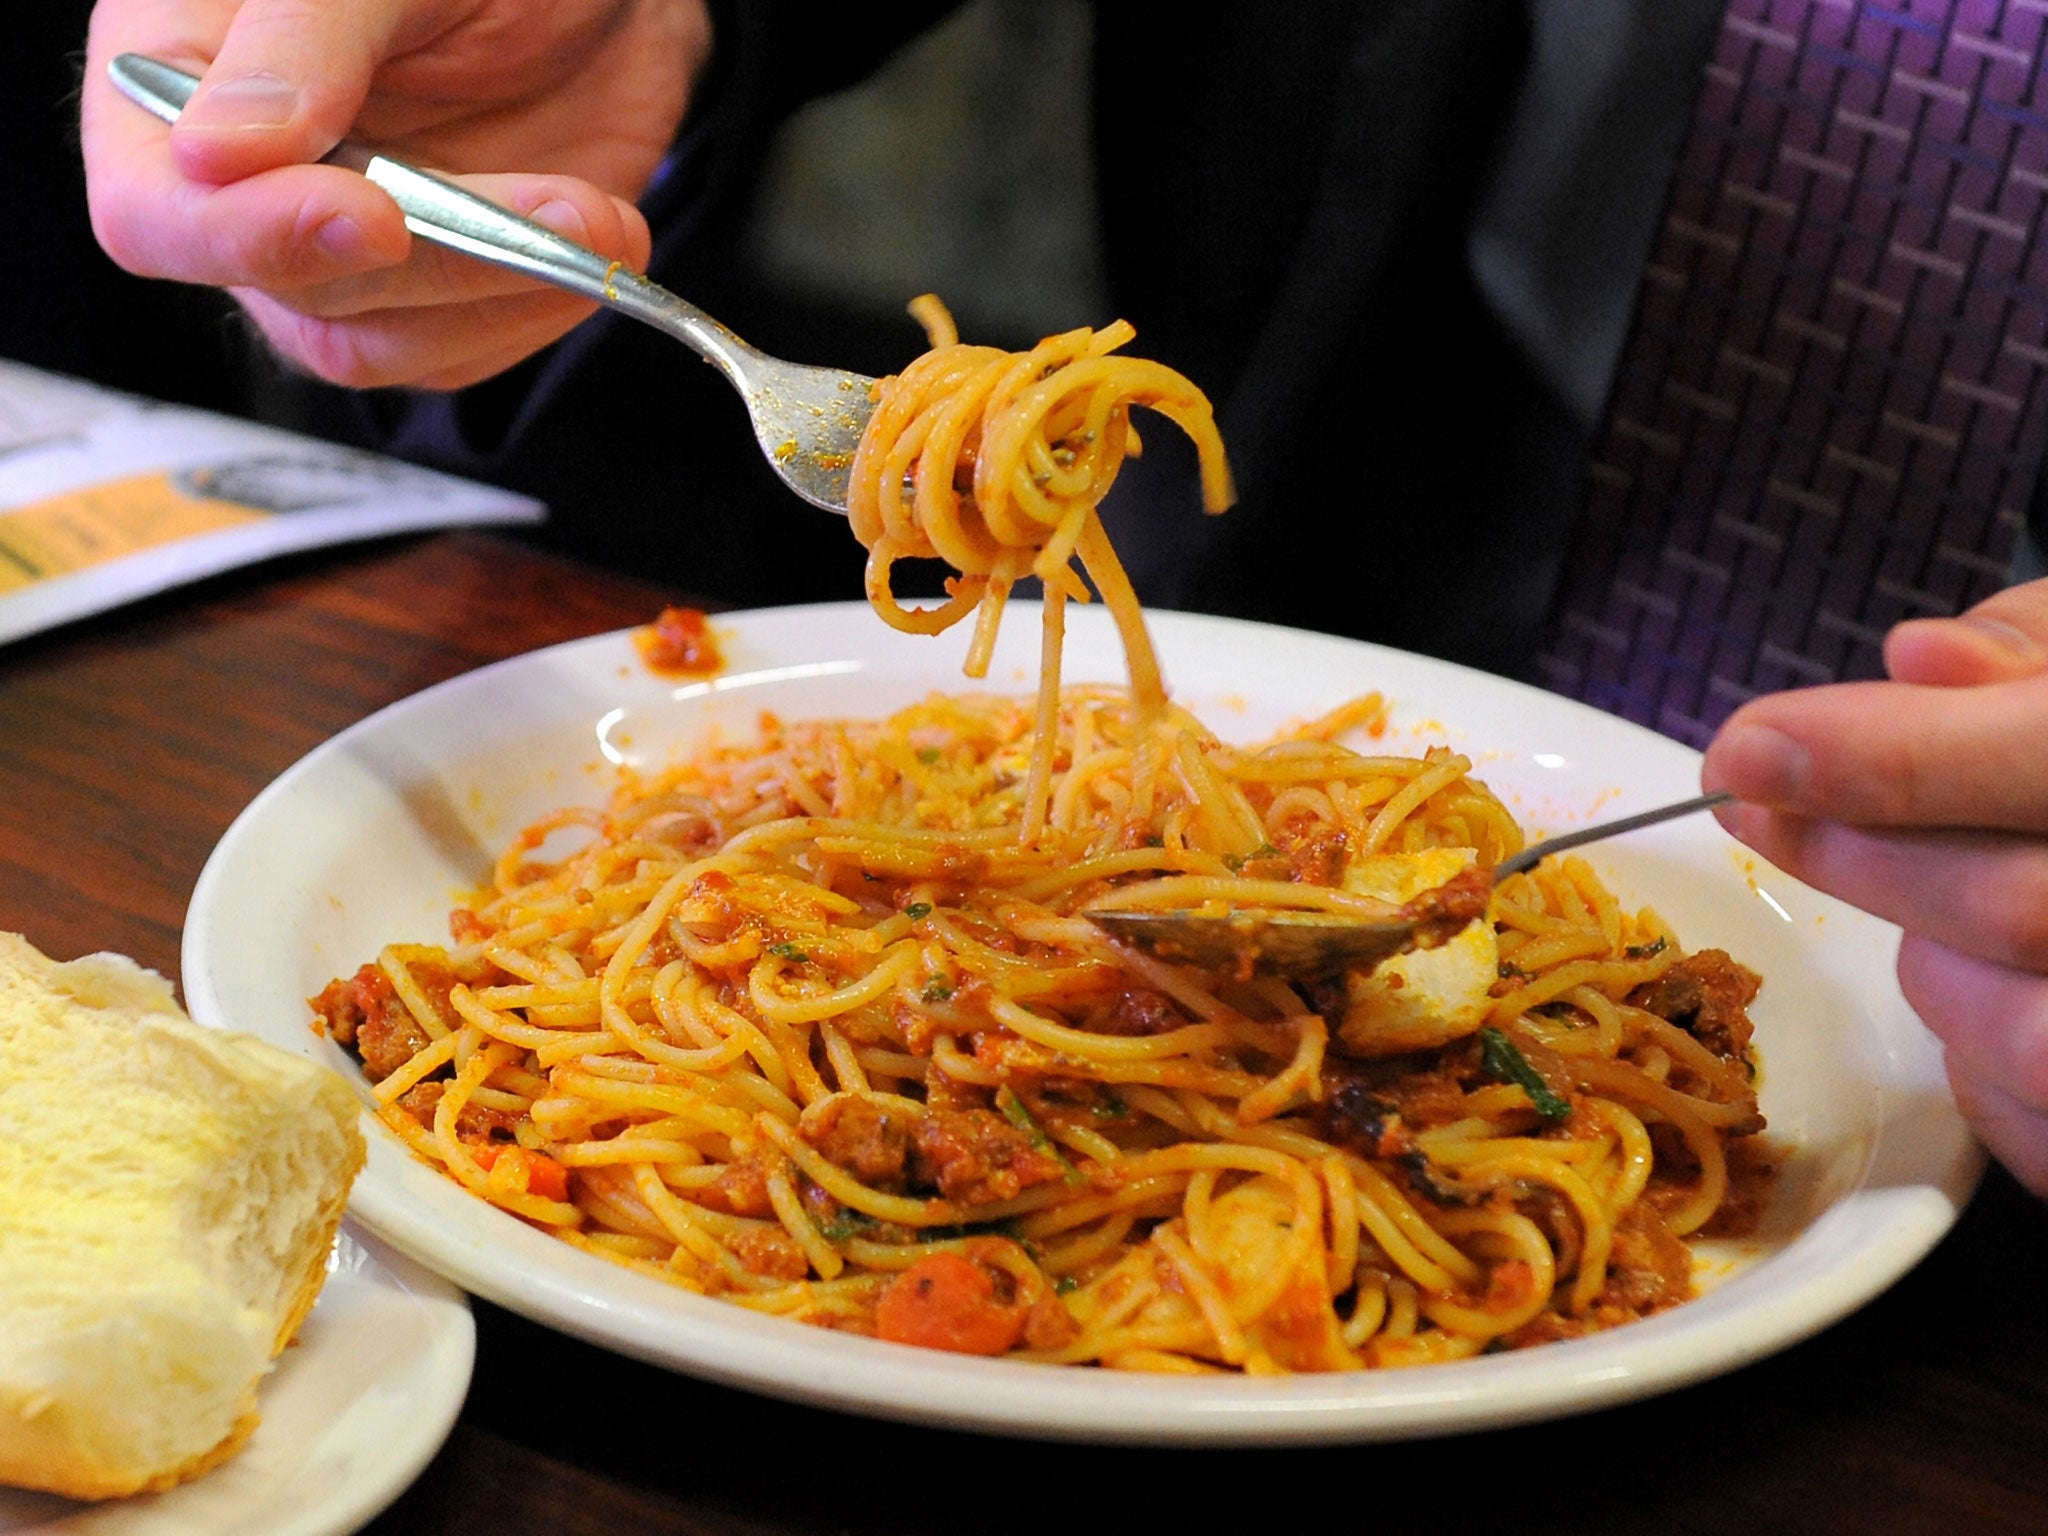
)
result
[(128, 743)]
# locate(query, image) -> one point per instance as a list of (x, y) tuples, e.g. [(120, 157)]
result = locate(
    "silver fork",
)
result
[(1304, 946), (807, 419)]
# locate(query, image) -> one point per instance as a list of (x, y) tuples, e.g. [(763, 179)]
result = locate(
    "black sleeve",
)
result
[(1287, 198)]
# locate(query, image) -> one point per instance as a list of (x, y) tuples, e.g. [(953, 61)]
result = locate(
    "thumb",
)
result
[(285, 85), (2003, 638)]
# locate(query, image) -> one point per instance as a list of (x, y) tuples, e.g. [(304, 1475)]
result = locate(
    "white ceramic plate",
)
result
[(372, 837), (352, 1413)]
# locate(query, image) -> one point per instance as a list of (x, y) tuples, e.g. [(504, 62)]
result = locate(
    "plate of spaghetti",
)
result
[(753, 1024)]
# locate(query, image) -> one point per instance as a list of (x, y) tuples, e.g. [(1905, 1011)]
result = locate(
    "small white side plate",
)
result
[(352, 1413)]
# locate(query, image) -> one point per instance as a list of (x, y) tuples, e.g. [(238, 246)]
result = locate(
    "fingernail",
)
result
[(2009, 638), (342, 241), (1761, 763), (258, 100), (563, 217)]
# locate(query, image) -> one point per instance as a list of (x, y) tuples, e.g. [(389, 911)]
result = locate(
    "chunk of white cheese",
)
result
[(1428, 996)]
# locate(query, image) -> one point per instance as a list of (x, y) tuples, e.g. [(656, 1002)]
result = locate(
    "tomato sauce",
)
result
[(679, 643)]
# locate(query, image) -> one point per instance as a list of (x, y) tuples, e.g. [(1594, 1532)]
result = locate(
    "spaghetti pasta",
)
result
[(811, 1024), (819, 1023), (1008, 455)]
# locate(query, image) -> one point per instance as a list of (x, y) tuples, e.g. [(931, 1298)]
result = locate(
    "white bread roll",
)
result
[(168, 1198)]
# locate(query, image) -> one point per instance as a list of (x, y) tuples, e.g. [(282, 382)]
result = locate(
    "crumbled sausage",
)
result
[(1707, 996)]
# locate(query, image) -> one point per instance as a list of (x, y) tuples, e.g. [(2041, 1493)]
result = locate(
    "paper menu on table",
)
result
[(106, 497)]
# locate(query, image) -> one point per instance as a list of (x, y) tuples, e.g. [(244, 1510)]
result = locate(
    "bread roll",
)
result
[(168, 1199)]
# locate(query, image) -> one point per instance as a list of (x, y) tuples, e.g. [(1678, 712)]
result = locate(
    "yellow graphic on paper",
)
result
[(104, 522)]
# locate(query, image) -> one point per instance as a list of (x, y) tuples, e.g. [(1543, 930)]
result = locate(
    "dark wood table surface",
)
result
[(129, 742)]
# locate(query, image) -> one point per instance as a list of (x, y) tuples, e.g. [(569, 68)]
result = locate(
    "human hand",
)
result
[(1924, 800), (558, 109)]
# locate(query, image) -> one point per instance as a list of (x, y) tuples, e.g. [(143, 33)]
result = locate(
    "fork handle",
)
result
[(438, 210), (1536, 853)]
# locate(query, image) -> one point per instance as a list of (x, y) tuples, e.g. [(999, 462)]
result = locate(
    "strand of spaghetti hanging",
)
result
[(1008, 456)]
